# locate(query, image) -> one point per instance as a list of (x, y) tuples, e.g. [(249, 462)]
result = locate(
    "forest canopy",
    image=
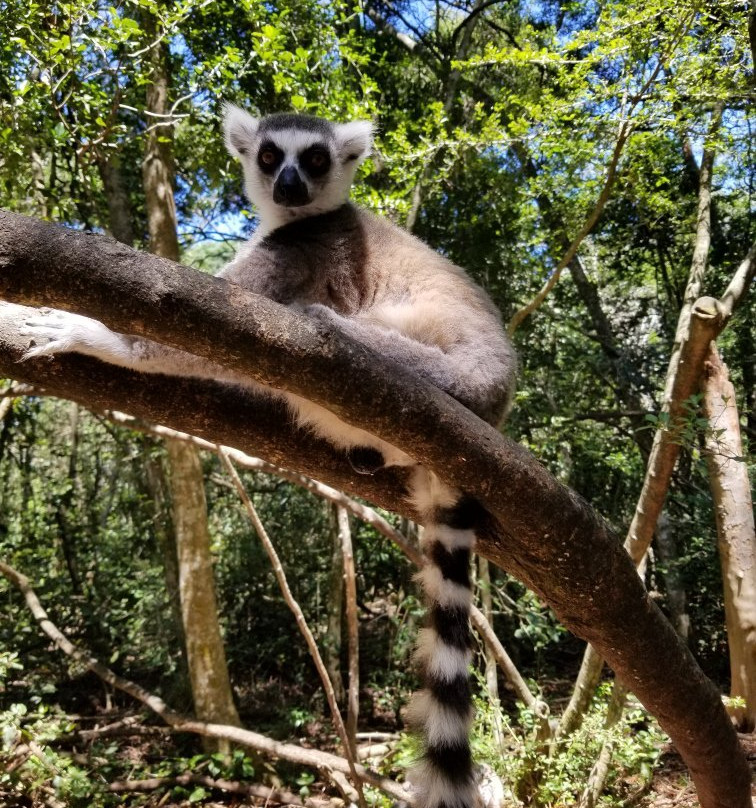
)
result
[(591, 166)]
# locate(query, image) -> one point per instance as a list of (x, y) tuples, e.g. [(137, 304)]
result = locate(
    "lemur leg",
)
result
[(53, 332)]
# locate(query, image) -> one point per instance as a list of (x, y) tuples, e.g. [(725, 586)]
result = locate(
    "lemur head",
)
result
[(295, 165)]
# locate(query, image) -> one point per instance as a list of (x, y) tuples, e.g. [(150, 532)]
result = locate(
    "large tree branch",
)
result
[(535, 528)]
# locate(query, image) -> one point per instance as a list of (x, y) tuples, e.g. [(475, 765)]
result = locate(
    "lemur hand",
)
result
[(54, 332)]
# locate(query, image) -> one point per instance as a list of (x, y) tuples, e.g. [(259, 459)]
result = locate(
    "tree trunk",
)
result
[(158, 486), (158, 165), (63, 505), (332, 639), (208, 673), (673, 582), (353, 642), (733, 509), (205, 654), (120, 215)]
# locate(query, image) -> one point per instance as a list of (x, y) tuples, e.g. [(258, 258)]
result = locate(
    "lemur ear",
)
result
[(355, 140), (239, 128)]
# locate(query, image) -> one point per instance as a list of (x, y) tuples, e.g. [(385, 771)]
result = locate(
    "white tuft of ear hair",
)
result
[(239, 128), (355, 139)]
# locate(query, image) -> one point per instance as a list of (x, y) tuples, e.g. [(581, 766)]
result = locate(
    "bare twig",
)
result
[(298, 615), (611, 175), (323, 761), (363, 512), (367, 514), (739, 284), (624, 131), (186, 779)]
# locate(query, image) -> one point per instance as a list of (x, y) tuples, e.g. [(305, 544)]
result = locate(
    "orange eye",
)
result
[(268, 157), (316, 161)]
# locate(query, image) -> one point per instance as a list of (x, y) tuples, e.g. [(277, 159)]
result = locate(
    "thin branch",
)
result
[(298, 615), (539, 708), (478, 9), (410, 44), (624, 132), (187, 779), (450, 95), (611, 175), (362, 512), (422, 38), (324, 761), (739, 285), (695, 329)]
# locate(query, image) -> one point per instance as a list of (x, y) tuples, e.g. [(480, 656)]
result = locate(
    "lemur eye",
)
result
[(316, 161), (269, 157)]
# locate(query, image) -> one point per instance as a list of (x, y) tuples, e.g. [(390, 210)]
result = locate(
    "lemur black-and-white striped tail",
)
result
[(442, 711)]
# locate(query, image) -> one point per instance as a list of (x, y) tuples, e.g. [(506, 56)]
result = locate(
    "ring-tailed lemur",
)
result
[(379, 285)]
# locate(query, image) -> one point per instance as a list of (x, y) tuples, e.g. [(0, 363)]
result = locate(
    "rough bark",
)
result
[(353, 641), (205, 653), (535, 528), (331, 642), (120, 217), (733, 509), (206, 658)]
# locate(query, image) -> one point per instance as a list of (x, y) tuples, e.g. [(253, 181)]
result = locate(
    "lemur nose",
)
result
[(289, 189)]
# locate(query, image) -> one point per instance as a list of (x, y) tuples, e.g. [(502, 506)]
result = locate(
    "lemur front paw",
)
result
[(52, 332)]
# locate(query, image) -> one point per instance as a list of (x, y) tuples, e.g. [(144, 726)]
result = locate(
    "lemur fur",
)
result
[(376, 283)]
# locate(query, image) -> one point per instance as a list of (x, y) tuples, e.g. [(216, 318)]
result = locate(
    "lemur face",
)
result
[(296, 165), (295, 156)]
